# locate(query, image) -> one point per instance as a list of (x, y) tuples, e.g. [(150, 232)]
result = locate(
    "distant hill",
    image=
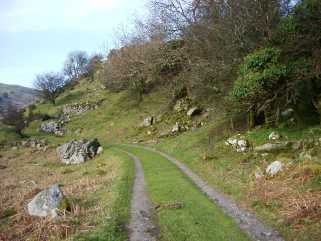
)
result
[(16, 95)]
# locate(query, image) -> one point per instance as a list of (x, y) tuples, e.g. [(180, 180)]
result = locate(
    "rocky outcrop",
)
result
[(270, 147), (77, 109), (53, 127), (46, 203), (239, 143), (76, 152)]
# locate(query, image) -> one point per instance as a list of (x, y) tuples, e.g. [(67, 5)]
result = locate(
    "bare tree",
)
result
[(50, 85), (76, 65), (94, 64)]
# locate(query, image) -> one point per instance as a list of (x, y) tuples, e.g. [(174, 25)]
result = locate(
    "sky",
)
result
[(37, 35)]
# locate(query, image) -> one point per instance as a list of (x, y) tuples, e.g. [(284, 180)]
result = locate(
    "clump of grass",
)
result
[(7, 213)]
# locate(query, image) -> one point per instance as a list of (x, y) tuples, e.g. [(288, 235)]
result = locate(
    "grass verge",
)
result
[(183, 212), (115, 228)]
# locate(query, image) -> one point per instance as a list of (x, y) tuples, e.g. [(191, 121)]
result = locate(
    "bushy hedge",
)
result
[(259, 74)]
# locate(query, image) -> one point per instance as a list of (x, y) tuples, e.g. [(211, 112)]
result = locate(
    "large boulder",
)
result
[(274, 168), (76, 152), (46, 203), (270, 147), (239, 143)]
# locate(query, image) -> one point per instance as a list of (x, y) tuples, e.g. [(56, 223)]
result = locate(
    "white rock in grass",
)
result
[(100, 150), (46, 202), (274, 168), (274, 136), (238, 143)]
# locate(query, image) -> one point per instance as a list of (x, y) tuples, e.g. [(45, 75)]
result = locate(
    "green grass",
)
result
[(114, 228), (7, 135), (199, 219)]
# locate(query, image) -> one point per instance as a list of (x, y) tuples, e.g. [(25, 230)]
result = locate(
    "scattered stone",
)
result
[(37, 144), (270, 147), (77, 108), (274, 136), (274, 168), (2, 167), (53, 127), (76, 152), (148, 121), (239, 143), (194, 111), (100, 150), (176, 128), (46, 203)]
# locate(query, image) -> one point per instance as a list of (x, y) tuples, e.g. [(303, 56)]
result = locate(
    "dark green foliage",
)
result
[(260, 73)]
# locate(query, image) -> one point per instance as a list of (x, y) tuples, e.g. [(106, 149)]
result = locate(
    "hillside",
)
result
[(18, 96), (202, 149), (203, 125)]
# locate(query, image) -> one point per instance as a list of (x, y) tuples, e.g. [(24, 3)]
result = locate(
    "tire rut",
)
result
[(247, 221), (141, 227)]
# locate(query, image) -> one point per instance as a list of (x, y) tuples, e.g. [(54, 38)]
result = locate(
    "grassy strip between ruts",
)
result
[(115, 229), (196, 218)]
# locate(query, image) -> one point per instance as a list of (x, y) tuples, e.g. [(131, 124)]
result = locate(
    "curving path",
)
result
[(141, 227), (247, 222)]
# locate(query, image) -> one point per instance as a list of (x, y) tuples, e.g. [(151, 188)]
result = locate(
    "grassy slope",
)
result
[(233, 174), (117, 119), (198, 220), (7, 135)]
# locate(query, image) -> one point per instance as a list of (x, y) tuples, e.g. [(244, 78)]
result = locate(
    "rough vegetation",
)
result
[(233, 94)]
